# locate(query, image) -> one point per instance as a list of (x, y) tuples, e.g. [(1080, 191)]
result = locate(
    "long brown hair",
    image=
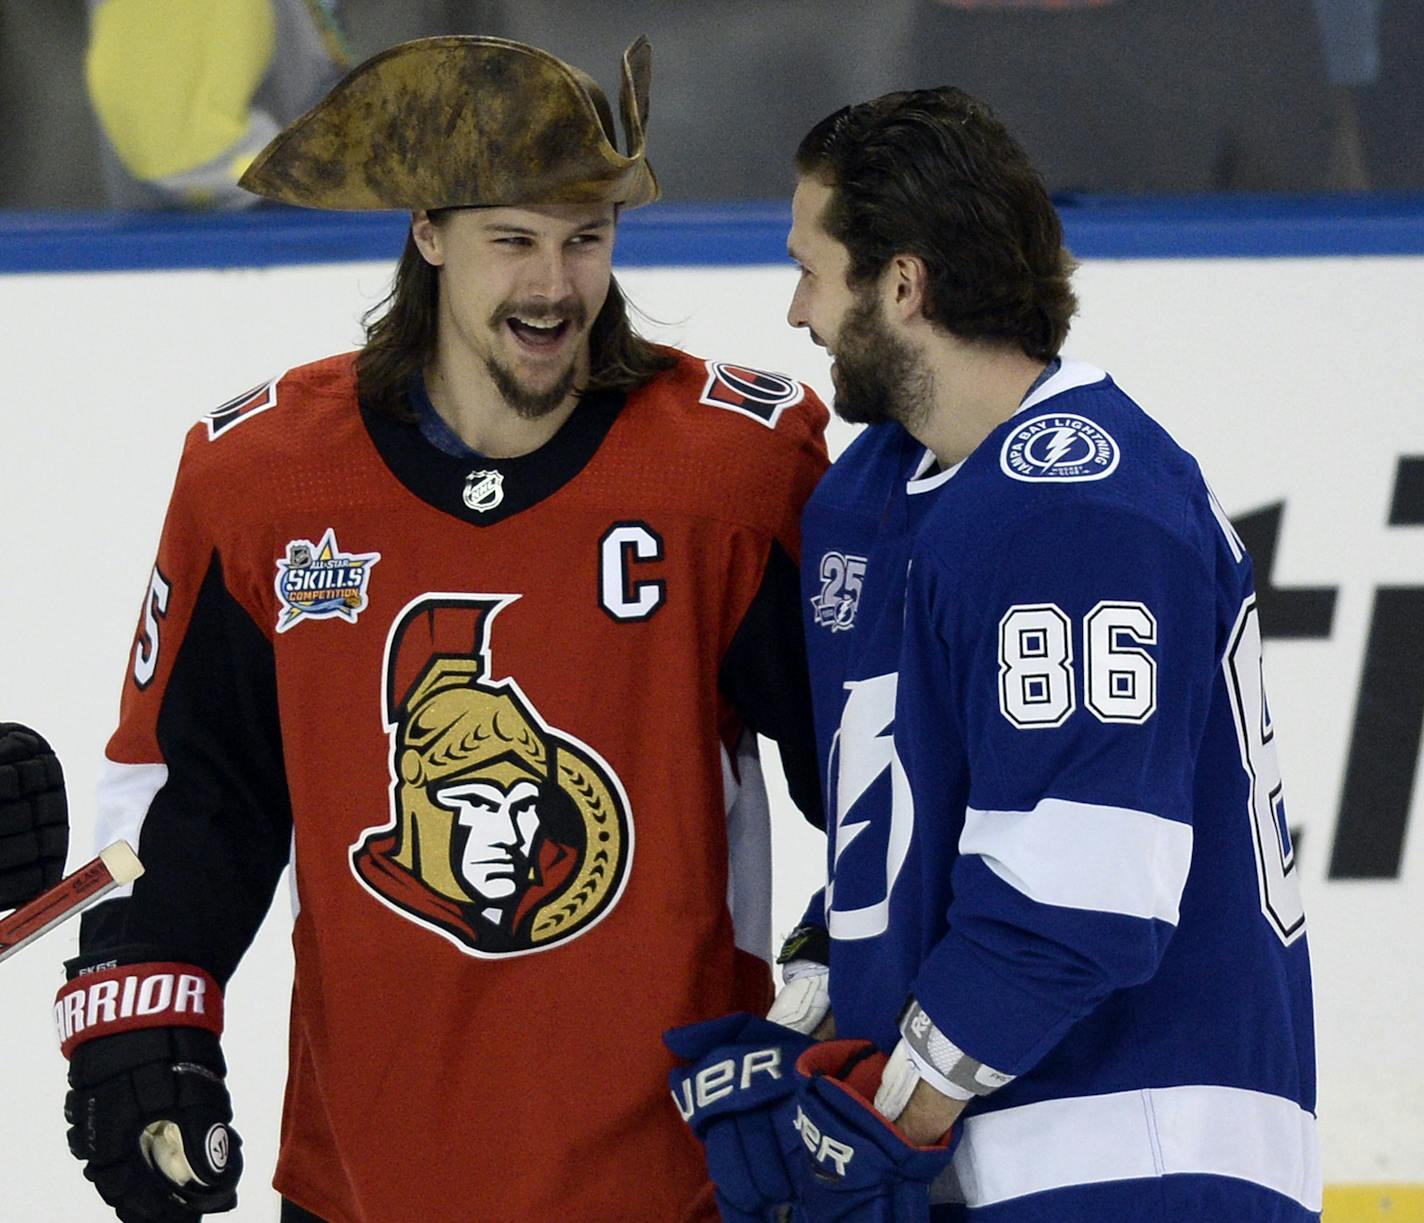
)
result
[(401, 335), (932, 172)]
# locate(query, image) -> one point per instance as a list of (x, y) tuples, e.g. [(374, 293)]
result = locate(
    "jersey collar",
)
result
[(1057, 376), (483, 491)]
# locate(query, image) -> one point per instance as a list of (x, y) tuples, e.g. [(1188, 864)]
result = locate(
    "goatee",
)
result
[(526, 403)]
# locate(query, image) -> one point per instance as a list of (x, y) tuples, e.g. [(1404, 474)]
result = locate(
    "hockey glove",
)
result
[(34, 818), (148, 1110), (804, 1001), (853, 1165), (741, 1079)]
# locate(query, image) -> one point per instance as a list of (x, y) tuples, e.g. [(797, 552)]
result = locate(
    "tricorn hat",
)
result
[(459, 121)]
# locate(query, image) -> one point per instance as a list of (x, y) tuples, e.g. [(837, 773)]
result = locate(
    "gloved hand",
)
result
[(34, 817), (148, 1108), (854, 1166), (804, 1001), (741, 1079)]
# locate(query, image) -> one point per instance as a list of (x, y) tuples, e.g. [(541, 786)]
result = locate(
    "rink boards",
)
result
[(1278, 342)]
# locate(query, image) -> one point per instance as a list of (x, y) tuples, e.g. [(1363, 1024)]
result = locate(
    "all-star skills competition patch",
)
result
[(319, 581)]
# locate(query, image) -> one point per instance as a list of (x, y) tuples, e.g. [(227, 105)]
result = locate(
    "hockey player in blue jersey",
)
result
[(1066, 963)]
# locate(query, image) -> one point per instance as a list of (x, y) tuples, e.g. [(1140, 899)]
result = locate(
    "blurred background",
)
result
[(153, 103)]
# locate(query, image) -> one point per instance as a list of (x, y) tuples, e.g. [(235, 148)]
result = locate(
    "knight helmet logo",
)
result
[(506, 836)]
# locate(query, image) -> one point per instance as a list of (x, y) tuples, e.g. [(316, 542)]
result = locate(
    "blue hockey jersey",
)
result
[(1056, 816)]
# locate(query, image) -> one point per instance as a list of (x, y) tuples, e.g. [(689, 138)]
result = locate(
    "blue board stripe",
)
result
[(709, 236)]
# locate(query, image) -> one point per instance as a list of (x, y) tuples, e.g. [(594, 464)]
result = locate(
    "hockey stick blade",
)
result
[(116, 865)]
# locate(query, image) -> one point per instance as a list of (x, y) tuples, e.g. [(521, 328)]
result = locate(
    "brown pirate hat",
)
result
[(464, 120)]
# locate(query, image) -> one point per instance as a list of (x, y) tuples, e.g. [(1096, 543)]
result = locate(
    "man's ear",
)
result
[(428, 238), (906, 286)]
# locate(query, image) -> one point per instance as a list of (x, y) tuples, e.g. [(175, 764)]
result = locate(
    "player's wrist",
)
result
[(940, 1062), (804, 1001), (929, 1115), (108, 998)]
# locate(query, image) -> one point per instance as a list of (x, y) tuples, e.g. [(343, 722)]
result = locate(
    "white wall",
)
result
[(1292, 380)]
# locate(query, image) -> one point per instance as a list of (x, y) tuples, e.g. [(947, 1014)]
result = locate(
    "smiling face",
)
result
[(877, 374), (823, 294), (519, 291)]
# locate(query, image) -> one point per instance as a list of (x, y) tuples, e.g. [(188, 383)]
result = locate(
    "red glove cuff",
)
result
[(134, 996), (830, 1058)]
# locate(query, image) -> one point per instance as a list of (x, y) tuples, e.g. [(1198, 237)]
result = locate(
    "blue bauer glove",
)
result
[(741, 1080), (852, 1165)]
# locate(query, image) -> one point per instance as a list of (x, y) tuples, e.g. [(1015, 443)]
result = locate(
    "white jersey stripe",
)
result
[(122, 799), (1081, 856), (1166, 1131), (296, 897), (748, 848)]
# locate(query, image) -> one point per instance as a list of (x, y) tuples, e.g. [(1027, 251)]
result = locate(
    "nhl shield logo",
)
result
[(506, 836), (484, 490)]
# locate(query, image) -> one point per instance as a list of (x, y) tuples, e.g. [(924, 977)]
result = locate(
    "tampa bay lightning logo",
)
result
[(873, 809), (1061, 447)]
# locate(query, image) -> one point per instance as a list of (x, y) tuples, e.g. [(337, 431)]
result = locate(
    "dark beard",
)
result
[(527, 404), (879, 377)]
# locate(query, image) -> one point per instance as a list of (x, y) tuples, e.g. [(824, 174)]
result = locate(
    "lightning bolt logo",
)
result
[(863, 752), (1063, 438), (866, 748), (1060, 448)]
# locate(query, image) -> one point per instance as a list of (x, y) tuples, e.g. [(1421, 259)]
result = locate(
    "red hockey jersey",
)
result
[(491, 708)]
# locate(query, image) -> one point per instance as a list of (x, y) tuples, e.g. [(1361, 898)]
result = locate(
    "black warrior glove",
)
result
[(148, 1109), (34, 819)]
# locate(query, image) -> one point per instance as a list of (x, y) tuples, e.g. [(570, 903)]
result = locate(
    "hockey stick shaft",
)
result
[(116, 865)]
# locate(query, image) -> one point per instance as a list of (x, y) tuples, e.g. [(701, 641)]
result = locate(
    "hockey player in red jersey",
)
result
[(476, 627)]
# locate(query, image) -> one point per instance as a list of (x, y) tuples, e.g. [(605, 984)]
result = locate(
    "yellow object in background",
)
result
[(172, 82), (188, 92), (1374, 1204)]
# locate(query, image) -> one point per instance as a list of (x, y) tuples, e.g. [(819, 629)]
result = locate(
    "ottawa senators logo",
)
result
[(752, 392), (506, 836), (242, 407)]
